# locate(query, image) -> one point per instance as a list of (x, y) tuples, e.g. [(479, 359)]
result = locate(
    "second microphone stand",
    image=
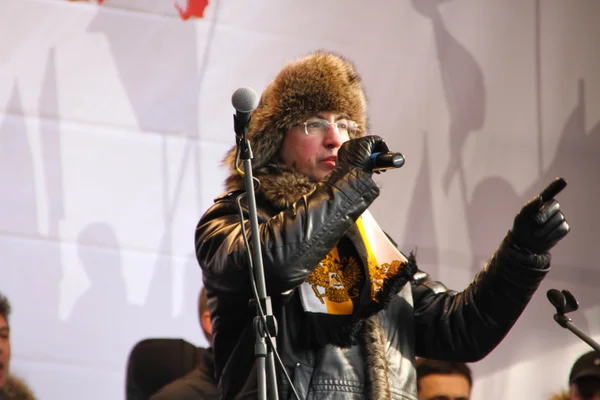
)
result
[(565, 302)]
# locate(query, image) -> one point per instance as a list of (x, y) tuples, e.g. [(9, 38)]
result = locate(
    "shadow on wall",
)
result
[(101, 317), (102, 326), (32, 259), (169, 104), (419, 231), (464, 90), (495, 202), (163, 99), (463, 86)]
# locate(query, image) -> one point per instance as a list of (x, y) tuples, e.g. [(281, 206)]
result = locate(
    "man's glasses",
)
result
[(317, 126)]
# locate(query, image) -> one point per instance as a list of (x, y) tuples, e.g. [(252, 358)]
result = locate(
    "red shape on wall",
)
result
[(194, 9)]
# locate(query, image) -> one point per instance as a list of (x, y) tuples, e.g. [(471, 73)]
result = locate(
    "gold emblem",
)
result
[(335, 279), (379, 273)]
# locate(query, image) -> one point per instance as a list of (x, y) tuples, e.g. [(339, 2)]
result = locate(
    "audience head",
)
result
[(443, 380), (4, 340), (584, 379)]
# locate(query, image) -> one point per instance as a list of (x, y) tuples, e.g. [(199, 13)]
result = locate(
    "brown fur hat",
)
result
[(318, 82)]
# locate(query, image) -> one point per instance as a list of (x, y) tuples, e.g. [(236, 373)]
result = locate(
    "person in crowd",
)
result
[(584, 379), (200, 383), (443, 380), (11, 388)]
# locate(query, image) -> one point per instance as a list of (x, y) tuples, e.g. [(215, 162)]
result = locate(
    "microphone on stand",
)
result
[(565, 302), (244, 100)]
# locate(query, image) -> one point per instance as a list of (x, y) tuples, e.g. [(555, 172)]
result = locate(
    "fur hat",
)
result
[(319, 82)]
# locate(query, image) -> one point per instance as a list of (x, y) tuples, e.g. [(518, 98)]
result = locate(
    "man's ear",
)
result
[(206, 324)]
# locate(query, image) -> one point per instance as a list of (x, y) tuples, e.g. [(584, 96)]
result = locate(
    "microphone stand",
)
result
[(267, 327), (565, 302)]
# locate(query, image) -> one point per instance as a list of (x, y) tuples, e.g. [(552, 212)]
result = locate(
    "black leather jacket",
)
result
[(296, 232)]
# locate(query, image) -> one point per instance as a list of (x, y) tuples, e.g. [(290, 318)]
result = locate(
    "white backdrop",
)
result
[(114, 117)]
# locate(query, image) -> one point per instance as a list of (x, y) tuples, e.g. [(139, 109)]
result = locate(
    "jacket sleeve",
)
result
[(292, 241), (467, 326)]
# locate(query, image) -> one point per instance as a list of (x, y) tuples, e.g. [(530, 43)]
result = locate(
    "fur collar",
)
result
[(373, 340), (16, 389), (279, 185)]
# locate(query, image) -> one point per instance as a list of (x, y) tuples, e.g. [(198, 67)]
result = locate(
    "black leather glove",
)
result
[(540, 224), (356, 153)]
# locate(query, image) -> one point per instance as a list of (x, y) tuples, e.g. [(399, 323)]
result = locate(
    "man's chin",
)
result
[(320, 178), (325, 175)]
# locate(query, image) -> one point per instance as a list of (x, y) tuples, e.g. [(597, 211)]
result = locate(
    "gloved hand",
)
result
[(356, 153), (540, 224)]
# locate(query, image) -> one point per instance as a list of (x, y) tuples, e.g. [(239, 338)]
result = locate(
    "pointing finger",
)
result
[(554, 188)]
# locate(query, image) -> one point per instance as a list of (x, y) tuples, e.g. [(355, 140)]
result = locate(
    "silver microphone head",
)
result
[(244, 100)]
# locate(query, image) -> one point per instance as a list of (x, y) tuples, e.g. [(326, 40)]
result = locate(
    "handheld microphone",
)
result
[(384, 161), (244, 100)]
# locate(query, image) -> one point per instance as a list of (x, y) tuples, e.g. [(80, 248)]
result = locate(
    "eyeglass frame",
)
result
[(349, 130)]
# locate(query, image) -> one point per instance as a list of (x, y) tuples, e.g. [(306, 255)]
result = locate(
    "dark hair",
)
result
[(587, 387), (428, 367), (4, 306)]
